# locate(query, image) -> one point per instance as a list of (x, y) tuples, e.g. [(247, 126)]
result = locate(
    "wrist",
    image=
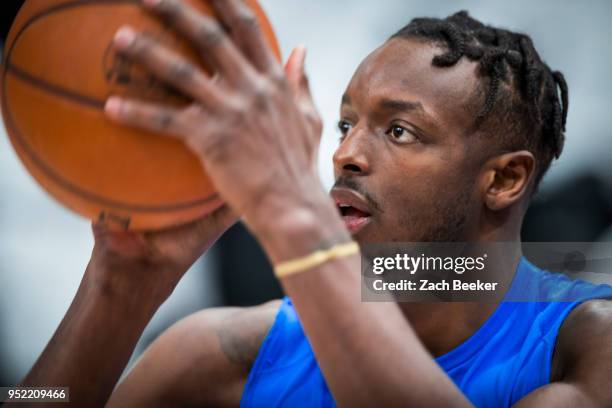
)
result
[(127, 284), (291, 231)]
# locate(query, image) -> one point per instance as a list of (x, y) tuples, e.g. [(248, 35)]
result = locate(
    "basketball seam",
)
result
[(37, 83), (54, 89)]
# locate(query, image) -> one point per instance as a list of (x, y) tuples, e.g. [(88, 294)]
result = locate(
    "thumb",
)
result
[(296, 75), (294, 68)]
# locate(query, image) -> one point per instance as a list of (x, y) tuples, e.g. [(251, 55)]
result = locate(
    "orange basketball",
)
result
[(59, 68)]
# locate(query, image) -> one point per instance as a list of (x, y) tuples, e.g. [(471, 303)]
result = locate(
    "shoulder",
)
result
[(203, 359), (584, 348), (241, 333), (588, 324), (237, 333)]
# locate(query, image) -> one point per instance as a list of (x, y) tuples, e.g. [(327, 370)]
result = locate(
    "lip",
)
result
[(345, 196)]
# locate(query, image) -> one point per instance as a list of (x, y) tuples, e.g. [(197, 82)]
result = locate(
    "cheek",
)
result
[(409, 201), (416, 184), (415, 194)]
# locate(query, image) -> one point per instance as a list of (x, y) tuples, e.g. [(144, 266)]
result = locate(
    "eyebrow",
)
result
[(346, 100), (391, 104), (400, 105)]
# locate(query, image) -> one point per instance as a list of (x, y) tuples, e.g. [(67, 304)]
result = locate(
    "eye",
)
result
[(344, 128), (401, 134)]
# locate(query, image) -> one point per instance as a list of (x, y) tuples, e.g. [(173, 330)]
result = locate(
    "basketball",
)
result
[(59, 68)]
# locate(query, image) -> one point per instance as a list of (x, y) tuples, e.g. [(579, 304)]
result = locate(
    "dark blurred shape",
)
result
[(246, 275), (578, 210), (8, 11)]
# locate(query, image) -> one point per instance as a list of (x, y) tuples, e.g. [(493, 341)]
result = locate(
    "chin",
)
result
[(367, 236)]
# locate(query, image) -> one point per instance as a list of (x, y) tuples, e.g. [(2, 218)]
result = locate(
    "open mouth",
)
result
[(353, 208), (354, 219), (351, 212)]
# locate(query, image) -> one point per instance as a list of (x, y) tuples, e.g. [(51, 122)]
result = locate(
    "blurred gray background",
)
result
[(44, 248)]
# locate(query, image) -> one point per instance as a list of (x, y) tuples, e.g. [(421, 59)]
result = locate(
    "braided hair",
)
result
[(523, 100)]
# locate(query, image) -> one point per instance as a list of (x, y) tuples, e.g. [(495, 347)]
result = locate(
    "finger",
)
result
[(246, 32), (201, 233), (207, 36), (304, 83), (167, 65), (296, 75), (109, 222), (98, 226), (294, 68), (224, 217), (143, 115), (298, 80), (112, 236)]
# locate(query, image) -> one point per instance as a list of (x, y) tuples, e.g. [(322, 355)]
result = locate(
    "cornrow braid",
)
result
[(530, 97)]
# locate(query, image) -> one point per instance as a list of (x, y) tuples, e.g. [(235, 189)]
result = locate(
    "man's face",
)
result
[(405, 167)]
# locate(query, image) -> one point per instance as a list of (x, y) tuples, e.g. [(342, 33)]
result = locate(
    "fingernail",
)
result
[(124, 37), (302, 58), (113, 106), (302, 51)]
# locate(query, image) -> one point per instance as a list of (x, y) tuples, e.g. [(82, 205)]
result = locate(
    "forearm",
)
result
[(559, 394), (93, 343), (368, 352)]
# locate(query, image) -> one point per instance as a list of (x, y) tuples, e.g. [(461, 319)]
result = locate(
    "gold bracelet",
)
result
[(315, 259)]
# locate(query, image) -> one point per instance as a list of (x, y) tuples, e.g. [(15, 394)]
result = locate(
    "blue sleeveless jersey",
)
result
[(503, 361)]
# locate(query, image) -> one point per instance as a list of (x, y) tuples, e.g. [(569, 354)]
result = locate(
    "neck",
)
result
[(442, 326)]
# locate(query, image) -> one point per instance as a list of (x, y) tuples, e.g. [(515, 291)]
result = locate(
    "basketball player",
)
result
[(447, 129)]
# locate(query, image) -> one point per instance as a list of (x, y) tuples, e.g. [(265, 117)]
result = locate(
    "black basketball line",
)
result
[(81, 99), (53, 89)]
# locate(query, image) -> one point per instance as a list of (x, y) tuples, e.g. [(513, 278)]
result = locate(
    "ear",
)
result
[(507, 178)]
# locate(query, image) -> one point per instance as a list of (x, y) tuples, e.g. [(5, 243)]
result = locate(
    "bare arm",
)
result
[(584, 355), (203, 360), (129, 276), (93, 343)]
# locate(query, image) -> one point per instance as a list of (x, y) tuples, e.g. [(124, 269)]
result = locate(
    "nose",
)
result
[(351, 158)]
